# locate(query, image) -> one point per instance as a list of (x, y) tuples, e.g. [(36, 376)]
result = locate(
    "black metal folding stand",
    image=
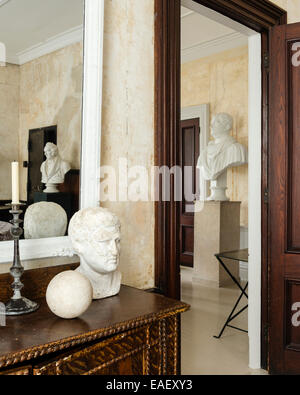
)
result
[(239, 256)]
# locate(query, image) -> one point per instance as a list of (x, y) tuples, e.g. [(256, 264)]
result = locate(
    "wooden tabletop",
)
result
[(37, 331)]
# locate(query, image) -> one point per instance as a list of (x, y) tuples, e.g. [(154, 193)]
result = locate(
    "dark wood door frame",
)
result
[(259, 15)]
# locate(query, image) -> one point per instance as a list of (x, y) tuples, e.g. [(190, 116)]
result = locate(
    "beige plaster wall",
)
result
[(51, 94), (222, 81), (128, 124), (9, 125)]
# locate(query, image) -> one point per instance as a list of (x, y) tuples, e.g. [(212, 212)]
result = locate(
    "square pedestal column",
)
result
[(217, 229)]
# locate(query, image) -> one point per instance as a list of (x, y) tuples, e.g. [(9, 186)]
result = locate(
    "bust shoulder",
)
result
[(65, 166), (238, 152)]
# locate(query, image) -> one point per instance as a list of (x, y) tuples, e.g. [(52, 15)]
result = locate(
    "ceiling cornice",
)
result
[(211, 47), (55, 43)]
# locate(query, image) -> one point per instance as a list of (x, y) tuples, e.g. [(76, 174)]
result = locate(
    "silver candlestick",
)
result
[(18, 305)]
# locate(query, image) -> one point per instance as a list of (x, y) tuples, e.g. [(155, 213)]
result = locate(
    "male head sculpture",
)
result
[(53, 169), (222, 153), (51, 151), (95, 236), (221, 125)]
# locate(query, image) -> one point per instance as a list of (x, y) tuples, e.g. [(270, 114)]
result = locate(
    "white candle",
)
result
[(15, 186)]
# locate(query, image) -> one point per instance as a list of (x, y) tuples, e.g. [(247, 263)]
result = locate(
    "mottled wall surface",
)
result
[(222, 81), (128, 124), (51, 94), (9, 125)]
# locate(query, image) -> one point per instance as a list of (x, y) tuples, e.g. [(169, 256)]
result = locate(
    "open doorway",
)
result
[(220, 77), (278, 279)]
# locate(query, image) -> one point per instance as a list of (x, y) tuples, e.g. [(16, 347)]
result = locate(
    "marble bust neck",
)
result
[(222, 138), (104, 284)]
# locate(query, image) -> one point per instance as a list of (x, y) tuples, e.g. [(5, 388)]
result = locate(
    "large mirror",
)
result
[(41, 117)]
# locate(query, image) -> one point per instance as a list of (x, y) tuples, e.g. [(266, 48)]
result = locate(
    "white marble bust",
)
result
[(221, 154), (95, 236), (53, 169)]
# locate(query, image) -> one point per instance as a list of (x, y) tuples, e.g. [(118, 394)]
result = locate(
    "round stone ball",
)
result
[(69, 294), (45, 219)]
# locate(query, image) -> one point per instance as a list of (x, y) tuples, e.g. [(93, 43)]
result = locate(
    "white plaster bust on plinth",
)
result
[(95, 236), (222, 153), (53, 169)]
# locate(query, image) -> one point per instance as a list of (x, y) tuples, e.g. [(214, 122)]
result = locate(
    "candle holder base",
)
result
[(20, 306)]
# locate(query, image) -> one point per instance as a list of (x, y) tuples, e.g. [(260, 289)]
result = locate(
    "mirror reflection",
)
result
[(40, 113)]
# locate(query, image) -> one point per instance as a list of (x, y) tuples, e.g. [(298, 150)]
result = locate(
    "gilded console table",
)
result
[(135, 333)]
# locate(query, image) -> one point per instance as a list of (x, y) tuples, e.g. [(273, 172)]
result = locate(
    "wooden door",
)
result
[(189, 154), (284, 277), (38, 138)]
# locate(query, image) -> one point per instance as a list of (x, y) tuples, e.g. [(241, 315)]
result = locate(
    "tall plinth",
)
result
[(217, 229)]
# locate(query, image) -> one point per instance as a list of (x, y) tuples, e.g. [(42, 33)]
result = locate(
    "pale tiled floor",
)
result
[(201, 353)]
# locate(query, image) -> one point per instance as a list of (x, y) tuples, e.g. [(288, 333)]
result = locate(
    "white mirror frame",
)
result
[(91, 139)]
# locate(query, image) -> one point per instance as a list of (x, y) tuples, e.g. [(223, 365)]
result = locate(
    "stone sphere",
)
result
[(69, 294), (45, 219)]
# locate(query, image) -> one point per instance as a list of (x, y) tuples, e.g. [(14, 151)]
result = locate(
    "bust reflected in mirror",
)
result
[(41, 113), (53, 169)]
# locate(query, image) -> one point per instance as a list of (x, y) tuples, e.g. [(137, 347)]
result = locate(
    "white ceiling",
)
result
[(30, 23), (32, 28), (201, 36)]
